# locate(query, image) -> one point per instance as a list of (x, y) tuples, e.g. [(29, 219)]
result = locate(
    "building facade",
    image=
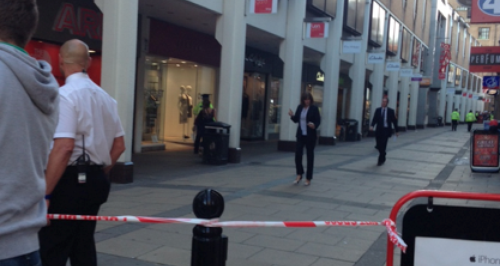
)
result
[(159, 57)]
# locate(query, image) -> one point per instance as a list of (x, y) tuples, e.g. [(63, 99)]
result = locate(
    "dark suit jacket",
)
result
[(312, 116), (379, 121)]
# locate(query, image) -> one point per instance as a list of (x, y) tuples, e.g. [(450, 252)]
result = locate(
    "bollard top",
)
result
[(208, 204)]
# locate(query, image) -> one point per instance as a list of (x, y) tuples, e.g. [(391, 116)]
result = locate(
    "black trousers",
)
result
[(454, 124), (469, 126), (381, 141), (74, 239), (200, 131), (309, 143)]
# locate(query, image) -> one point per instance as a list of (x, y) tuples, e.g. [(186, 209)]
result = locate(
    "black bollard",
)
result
[(209, 246)]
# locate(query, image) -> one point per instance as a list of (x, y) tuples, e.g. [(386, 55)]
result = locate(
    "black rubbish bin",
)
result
[(440, 121), (216, 143), (351, 130)]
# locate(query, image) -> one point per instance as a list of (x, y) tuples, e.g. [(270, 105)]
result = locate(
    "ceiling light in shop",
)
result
[(164, 61), (183, 62), (177, 65), (195, 65), (92, 51), (154, 64)]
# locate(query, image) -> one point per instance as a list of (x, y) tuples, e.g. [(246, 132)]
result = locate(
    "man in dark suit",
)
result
[(383, 118)]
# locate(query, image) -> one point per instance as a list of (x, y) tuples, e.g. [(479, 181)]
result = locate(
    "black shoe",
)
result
[(380, 163)]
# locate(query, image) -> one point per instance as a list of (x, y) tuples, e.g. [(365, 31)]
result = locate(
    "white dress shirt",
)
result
[(303, 121), (87, 110)]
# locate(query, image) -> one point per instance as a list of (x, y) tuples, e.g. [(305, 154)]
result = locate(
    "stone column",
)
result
[(331, 66), (378, 75), (449, 107), (442, 100), (231, 34), (357, 73), (403, 102), (291, 52), (119, 49)]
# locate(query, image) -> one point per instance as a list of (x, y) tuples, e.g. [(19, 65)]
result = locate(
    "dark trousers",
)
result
[(469, 126), (200, 131), (31, 259), (454, 124), (309, 143), (74, 239), (382, 146)]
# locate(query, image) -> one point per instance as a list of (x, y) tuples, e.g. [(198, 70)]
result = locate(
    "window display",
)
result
[(274, 107), (173, 90), (252, 106)]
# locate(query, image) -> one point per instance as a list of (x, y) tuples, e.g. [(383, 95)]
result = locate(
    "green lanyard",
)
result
[(15, 46)]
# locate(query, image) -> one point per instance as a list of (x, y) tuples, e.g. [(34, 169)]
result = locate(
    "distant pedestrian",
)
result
[(470, 118), (454, 120), (29, 106), (88, 140), (205, 115), (383, 118), (308, 117)]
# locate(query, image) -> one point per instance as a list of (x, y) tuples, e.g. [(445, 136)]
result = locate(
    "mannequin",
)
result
[(183, 106), (189, 92)]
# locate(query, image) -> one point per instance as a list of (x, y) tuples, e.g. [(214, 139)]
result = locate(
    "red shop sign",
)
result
[(263, 6), (485, 11), (317, 30)]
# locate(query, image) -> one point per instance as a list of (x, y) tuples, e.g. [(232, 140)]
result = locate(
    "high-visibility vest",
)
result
[(455, 115), (470, 117)]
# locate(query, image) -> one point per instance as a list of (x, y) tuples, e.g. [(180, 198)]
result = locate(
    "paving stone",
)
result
[(168, 255), (283, 258), (124, 247), (334, 252), (274, 242)]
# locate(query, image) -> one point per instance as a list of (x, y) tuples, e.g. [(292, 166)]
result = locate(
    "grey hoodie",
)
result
[(29, 111)]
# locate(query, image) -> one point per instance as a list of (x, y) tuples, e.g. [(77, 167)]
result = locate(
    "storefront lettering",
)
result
[(84, 22)]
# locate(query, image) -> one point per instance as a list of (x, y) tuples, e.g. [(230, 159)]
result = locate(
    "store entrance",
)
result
[(253, 107)]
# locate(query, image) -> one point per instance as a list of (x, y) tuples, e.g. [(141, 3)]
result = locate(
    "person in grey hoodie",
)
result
[(29, 108)]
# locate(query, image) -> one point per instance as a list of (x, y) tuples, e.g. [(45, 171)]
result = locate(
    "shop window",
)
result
[(423, 55), (377, 25), (464, 79), (405, 48), (458, 76), (323, 7), (253, 108), (274, 108), (172, 90), (354, 16), (393, 37), (416, 52), (451, 73)]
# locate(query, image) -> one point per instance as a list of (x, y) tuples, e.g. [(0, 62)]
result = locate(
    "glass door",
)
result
[(253, 106)]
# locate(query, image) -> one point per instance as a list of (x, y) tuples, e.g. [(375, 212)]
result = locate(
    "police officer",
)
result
[(87, 143), (454, 120), (470, 118)]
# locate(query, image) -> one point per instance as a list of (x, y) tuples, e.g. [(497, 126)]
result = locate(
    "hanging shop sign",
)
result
[(316, 30), (485, 59), (485, 11), (351, 47), (491, 82), (263, 6), (464, 94), (426, 82), (416, 78), (376, 58), (470, 95), (444, 59), (406, 72), (392, 66), (62, 20)]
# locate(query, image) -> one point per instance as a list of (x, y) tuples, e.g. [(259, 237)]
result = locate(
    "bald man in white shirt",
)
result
[(88, 141)]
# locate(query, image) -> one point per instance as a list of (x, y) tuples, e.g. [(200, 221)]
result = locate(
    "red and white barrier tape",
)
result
[(390, 225)]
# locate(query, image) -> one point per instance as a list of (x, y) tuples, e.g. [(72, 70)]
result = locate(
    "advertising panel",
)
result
[(485, 11), (316, 30), (485, 59), (485, 150)]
